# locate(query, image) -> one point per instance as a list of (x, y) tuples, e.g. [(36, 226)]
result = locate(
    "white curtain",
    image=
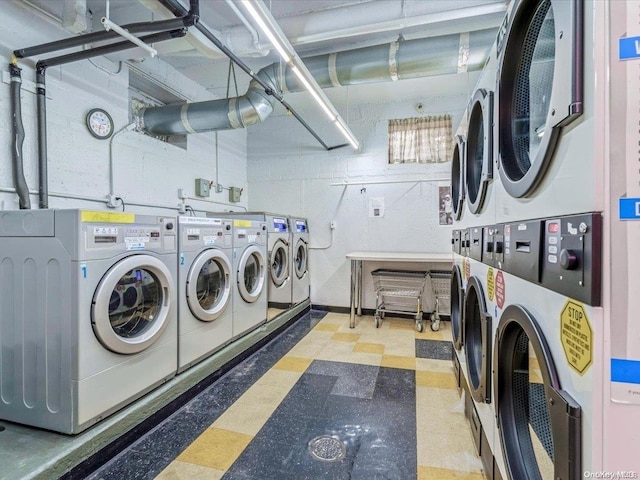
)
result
[(421, 140)]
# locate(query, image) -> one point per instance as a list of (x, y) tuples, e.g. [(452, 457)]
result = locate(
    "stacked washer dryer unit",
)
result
[(250, 273), (88, 315), (300, 256), (205, 313), (560, 107)]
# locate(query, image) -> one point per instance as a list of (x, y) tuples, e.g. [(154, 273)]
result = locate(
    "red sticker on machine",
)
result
[(500, 289)]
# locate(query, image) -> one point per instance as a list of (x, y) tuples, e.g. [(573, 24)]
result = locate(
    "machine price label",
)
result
[(500, 289), (135, 246), (252, 238), (136, 239), (577, 336), (193, 231), (209, 240), (491, 286)]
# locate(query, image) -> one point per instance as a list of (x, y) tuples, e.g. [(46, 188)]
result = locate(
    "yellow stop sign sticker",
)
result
[(577, 336)]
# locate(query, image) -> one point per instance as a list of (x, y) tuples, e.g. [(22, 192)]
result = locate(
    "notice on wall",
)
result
[(445, 211), (376, 207)]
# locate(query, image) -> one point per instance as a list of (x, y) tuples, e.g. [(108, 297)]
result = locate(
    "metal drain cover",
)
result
[(327, 448)]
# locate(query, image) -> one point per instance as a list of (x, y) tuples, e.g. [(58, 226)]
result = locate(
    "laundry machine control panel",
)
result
[(475, 243), (455, 241), (571, 256), (199, 232), (493, 245), (147, 233), (522, 250), (464, 242)]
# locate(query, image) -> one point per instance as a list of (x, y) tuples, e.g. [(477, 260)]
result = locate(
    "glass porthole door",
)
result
[(301, 258), (251, 274), (457, 179), (479, 149), (279, 262), (208, 285)]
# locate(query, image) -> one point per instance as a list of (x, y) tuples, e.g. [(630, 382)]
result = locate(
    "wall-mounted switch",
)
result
[(202, 187), (234, 194)]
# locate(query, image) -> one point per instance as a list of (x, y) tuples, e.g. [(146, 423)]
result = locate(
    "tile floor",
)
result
[(387, 394)]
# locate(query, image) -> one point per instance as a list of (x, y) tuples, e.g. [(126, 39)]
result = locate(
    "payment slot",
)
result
[(455, 241), (522, 250), (475, 243)]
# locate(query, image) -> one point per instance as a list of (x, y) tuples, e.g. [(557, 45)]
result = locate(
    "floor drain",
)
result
[(327, 449)]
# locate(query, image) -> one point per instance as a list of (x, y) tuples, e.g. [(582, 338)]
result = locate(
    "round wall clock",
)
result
[(99, 123)]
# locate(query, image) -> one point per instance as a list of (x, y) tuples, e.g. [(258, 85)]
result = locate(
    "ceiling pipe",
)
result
[(252, 31), (388, 62)]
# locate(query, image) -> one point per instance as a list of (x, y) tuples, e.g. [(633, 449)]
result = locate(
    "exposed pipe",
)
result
[(41, 111), (17, 137), (388, 62), (246, 23)]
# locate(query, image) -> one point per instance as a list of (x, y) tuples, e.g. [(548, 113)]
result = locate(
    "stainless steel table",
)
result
[(357, 259)]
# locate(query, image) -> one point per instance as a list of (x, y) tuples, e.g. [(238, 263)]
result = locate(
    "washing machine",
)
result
[(205, 312), (250, 275), (548, 101), (88, 314), (300, 256)]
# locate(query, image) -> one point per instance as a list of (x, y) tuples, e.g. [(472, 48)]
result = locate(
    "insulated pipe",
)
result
[(388, 62), (41, 103), (17, 138)]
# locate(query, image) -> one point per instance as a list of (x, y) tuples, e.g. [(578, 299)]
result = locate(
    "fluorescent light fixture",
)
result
[(267, 31), (262, 16)]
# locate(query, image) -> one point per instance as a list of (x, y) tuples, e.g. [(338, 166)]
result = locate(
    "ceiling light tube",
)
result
[(268, 31), (350, 138), (314, 93)]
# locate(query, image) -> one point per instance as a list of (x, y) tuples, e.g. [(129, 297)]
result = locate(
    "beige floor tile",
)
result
[(335, 349), (327, 327), (393, 361), (408, 324), (453, 452), (437, 398), (292, 363), (337, 318), (431, 365), (364, 358), (369, 348), (432, 473), (216, 448), (444, 333), (435, 379), (188, 471), (345, 337), (400, 346)]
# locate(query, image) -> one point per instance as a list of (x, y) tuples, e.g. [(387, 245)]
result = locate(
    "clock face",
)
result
[(100, 123)]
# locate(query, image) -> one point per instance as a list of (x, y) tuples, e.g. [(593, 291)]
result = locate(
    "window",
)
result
[(421, 140)]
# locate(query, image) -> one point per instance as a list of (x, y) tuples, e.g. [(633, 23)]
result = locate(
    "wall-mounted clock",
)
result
[(99, 123)]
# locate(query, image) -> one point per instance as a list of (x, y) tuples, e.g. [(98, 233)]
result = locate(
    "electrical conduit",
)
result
[(17, 137)]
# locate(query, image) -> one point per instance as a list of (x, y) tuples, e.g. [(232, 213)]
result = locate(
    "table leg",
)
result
[(352, 311), (359, 288)]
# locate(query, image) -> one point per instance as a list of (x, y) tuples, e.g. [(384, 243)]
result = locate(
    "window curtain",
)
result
[(421, 140)]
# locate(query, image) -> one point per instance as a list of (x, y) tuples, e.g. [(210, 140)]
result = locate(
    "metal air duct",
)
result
[(388, 62)]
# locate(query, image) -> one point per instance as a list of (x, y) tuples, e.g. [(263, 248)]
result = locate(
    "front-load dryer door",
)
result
[(279, 263), (540, 88), (477, 341), (301, 259), (479, 149), (539, 424), (131, 305), (251, 273), (208, 285), (457, 177), (457, 305)]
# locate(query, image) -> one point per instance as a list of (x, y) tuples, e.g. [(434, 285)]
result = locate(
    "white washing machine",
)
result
[(88, 320), (205, 312), (548, 101), (300, 256), (279, 250), (250, 274)]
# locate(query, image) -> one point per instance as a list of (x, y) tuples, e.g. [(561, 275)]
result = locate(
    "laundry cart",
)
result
[(399, 291), (441, 287)]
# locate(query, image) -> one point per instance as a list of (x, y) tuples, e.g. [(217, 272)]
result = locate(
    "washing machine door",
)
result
[(457, 178), (131, 305), (251, 274), (540, 88), (208, 285), (477, 341), (457, 305), (279, 262), (539, 424), (479, 149), (301, 258)]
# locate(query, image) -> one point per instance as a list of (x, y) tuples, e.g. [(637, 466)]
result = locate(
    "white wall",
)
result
[(146, 170), (289, 173)]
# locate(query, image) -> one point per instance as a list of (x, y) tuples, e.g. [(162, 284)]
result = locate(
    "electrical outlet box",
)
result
[(202, 187), (332, 225), (234, 194), (219, 188)]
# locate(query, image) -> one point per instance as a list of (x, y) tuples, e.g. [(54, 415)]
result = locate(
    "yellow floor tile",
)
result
[(188, 471), (432, 473), (345, 337), (393, 361), (369, 348), (294, 364), (400, 323), (327, 327), (435, 379), (216, 448)]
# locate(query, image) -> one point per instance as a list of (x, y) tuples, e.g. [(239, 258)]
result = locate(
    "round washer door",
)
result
[(208, 285), (539, 424), (279, 263), (479, 149), (131, 304), (540, 88), (457, 179), (300, 258), (457, 305), (251, 274), (477, 341)]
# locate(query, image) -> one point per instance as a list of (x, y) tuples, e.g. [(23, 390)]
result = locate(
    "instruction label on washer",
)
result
[(491, 286), (500, 289), (577, 336), (209, 240), (136, 243)]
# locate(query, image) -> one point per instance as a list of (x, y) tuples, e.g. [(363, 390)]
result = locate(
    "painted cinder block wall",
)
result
[(146, 170), (289, 173)]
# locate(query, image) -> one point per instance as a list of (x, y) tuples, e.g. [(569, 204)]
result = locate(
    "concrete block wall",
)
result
[(146, 170), (290, 173)]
